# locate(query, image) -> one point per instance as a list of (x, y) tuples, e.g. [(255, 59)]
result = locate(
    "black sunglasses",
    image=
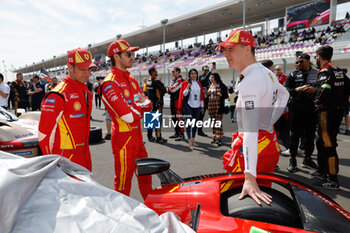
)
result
[(301, 62), (128, 54)]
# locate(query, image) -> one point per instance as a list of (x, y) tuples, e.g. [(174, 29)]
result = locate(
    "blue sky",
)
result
[(32, 30)]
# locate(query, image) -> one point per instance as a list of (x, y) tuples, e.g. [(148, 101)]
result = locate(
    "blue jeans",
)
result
[(191, 113)]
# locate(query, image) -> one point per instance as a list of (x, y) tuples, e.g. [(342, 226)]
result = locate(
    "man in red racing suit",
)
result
[(125, 103), (64, 125)]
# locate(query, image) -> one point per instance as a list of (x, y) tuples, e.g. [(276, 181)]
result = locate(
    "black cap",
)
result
[(305, 56)]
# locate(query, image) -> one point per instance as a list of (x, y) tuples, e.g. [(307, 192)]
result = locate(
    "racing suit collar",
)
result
[(119, 72), (250, 67), (327, 64), (76, 83)]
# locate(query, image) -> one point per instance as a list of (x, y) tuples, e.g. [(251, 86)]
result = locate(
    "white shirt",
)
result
[(194, 100), (5, 89), (261, 101)]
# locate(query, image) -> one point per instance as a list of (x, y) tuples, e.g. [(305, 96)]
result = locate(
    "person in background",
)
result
[(331, 101), (4, 92), (301, 85), (217, 94), (191, 101), (204, 79), (95, 87), (21, 91), (37, 92), (174, 91), (64, 125), (232, 98), (155, 93), (347, 111), (52, 85), (280, 75), (268, 64)]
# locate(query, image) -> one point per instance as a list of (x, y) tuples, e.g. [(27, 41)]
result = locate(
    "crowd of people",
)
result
[(316, 99)]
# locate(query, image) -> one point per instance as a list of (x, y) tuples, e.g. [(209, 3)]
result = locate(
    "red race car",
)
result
[(209, 203)]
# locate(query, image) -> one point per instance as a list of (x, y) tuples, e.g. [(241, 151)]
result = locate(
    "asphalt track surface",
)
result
[(206, 159)]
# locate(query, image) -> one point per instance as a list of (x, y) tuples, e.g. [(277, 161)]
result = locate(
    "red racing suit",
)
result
[(120, 94), (64, 125)]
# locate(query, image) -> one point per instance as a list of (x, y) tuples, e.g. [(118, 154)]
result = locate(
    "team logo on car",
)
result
[(126, 93), (151, 120), (134, 85), (77, 106)]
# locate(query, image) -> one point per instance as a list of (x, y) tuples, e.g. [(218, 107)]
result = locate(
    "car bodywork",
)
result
[(19, 135), (297, 208)]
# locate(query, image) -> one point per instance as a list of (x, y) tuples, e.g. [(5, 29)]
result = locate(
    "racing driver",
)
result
[(261, 101), (125, 103), (64, 125)]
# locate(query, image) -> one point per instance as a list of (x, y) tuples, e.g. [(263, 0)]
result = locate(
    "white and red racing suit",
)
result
[(261, 101), (64, 126), (120, 94)]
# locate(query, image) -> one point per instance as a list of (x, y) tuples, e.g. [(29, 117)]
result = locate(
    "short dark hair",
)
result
[(18, 74), (177, 69), (267, 63), (205, 67), (1, 77), (151, 70), (36, 76), (112, 60), (326, 52)]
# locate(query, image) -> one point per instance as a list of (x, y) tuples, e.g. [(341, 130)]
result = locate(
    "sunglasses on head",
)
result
[(301, 62)]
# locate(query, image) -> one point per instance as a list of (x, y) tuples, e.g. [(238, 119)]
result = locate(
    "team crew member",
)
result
[(258, 108), (331, 101), (155, 92), (174, 91), (125, 103), (64, 125), (280, 75), (301, 85)]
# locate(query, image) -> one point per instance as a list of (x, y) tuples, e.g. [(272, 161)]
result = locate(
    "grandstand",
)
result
[(274, 43)]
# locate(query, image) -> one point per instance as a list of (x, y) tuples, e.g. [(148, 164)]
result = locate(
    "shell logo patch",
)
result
[(77, 106), (134, 85), (126, 93)]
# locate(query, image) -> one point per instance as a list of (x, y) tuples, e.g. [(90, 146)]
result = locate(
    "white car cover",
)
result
[(37, 195)]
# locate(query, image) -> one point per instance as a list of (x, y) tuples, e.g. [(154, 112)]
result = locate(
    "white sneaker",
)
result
[(285, 152)]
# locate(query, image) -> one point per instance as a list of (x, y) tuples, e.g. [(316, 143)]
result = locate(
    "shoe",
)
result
[(151, 139), (285, 152), (308, 163), (195, 143), (214, 141), (347, 132), (201, 133), (174, 136), (292, 167), (319, 175), (232, 120), (190, 145), (108, 136), (180, 138), (328, 184), (161, 140), (219, 142)]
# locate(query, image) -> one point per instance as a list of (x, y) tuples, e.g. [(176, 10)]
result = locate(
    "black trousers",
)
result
[(302, 123), (282, 127), (97, 101), (328, 126), (156, 107), (176, 116), (201, 116)]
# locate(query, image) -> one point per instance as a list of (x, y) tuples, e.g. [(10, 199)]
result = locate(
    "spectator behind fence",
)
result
[(191, 101), (217, 94)]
